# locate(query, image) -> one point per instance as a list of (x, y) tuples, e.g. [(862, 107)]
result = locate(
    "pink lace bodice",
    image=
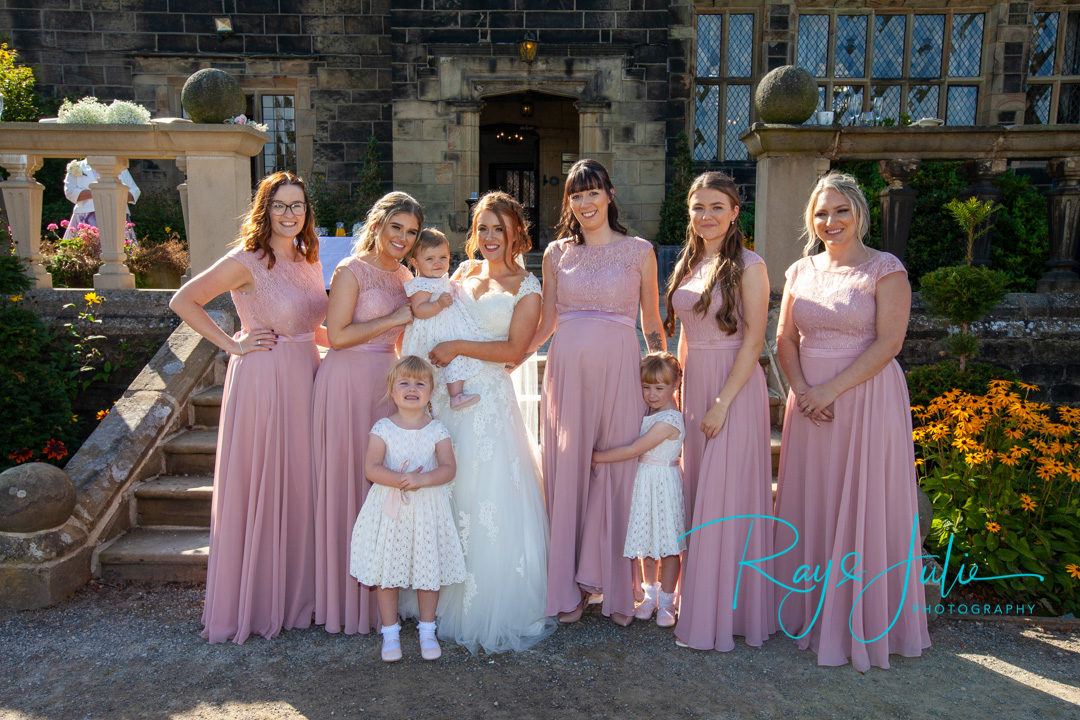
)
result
[(703, 328), (837, 309), (381, 293), (289, 299), (600, 278)]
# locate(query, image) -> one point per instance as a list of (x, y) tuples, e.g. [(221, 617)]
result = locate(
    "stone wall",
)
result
[(333, 55)]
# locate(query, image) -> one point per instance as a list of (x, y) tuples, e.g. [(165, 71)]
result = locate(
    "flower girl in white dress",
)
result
[(405, 535), (654, 531), (435, 316)]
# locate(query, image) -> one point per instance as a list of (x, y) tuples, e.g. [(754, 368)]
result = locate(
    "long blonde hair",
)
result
[(385, 208), (726, 267), (847, 186)]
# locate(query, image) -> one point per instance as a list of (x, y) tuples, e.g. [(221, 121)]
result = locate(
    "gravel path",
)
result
[(134, 652)]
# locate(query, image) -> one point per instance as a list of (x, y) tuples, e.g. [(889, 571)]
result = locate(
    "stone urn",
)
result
[(33, 497), (788, 96)]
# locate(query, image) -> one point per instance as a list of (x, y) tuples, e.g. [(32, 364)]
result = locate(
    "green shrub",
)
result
[(336, 203), (36, 422), (926, 382), (674, 214), (17, 87), (158, 216)]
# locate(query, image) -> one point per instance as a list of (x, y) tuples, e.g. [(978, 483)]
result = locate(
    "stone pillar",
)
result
[(1063, 267), (466, 167), (594, 140), (220, 187), (182, 188), (110, 206), (897, 203), (784, 183), (22, 198), (982, 174)]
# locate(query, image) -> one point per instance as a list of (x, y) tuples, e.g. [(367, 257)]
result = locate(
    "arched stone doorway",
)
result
[(526, 138)]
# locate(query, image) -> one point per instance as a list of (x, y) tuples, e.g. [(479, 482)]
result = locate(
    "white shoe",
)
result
[(429, 648)]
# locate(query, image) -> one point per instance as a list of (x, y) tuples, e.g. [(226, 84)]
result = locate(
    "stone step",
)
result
[(207, 406), (157, 555), (177, 500), (191, 452)]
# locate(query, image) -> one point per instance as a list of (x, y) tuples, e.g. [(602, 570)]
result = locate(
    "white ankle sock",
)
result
[(665, 600), (650, 590), (391, 632), (427, 629)]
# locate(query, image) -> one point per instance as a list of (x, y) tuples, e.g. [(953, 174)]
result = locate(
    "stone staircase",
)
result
[(170, 536)]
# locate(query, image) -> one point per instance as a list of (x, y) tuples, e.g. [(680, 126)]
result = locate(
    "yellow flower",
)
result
[(993, 527), (1027, 503), (101, 414), (15, 298), (965, 444), (1073, 569), (1013, 433), (918, 462), (1045, 471), (1007, 460), (1027, 386), (74, 418), (1073, 473), (168, 229), (92, 298)]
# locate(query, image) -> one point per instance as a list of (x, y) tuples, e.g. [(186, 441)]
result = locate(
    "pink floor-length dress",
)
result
[(591, 399), (727, 476), (350, 396), (849, 485), (261, 572)]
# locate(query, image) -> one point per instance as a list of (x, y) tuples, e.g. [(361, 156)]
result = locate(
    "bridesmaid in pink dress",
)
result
[(720, 292), (847, 463), (261, 573), (368, 311), (595, 280)]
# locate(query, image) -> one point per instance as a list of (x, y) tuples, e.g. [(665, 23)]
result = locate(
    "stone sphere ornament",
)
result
[(212, 96), (34, 496), (787, 95)]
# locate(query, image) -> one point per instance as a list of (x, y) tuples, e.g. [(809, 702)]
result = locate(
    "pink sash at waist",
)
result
[(656, 461), (298, 338), (595, 315), (725, 344), (831, 352), (371, 348)]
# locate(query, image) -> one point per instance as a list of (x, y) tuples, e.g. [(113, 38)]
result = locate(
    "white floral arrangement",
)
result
[(78, 168), (242, 119), (91, 111), (122, 112)]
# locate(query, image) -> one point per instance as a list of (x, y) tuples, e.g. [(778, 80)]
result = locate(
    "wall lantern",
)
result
[(223, 27), (527, 108), (528, 46)]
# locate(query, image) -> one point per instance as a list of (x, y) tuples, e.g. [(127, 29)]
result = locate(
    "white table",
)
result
[(333, 250)]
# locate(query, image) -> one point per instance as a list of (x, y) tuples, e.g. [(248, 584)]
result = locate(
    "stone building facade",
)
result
[(457, 110)]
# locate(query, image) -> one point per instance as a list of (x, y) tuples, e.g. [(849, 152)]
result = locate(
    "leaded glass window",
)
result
[(1069, 104), (740, 44), (737, 111), (889, 96), (1042, 44), (850, 57), (927, 32), (813, 53), (722, 112), (705, 118), (279, 116), (1070, 56), (961, 102), (708, 54), (965, 53), (923, 101), (1038, 105), (889, 46)]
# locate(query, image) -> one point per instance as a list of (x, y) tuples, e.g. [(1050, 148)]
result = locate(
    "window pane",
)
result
[(708, 45), (1044, 38), (887, 100), (965, 51), (813, 52), (1070, 63), (923, 102), (889, 45), (1038, 105), (705, 117), (278, 114), (927, 32), (850, 46), (1069, 104), (961, 104), (740, 45), (737, 109), (847, 103)]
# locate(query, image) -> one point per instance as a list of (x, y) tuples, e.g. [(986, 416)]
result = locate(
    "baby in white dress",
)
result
[(435, 316)]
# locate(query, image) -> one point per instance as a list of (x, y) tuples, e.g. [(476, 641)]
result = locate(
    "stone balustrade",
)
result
[(791, 158), (216, 194)]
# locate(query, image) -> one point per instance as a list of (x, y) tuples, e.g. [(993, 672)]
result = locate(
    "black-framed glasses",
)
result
[(279, 208)]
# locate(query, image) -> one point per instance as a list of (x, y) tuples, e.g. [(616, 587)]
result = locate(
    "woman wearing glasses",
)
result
[(367, 313), (261, 574)]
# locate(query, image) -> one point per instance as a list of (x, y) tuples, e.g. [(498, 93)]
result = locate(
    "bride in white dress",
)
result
[(497, 494)]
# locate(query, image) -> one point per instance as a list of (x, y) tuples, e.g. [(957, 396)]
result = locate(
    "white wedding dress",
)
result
[(497, 500)]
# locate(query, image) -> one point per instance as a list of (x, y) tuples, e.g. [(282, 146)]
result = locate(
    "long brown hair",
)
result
[(255, 228), (586, 174), (725, 268), (385, 208), (512, 216)]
